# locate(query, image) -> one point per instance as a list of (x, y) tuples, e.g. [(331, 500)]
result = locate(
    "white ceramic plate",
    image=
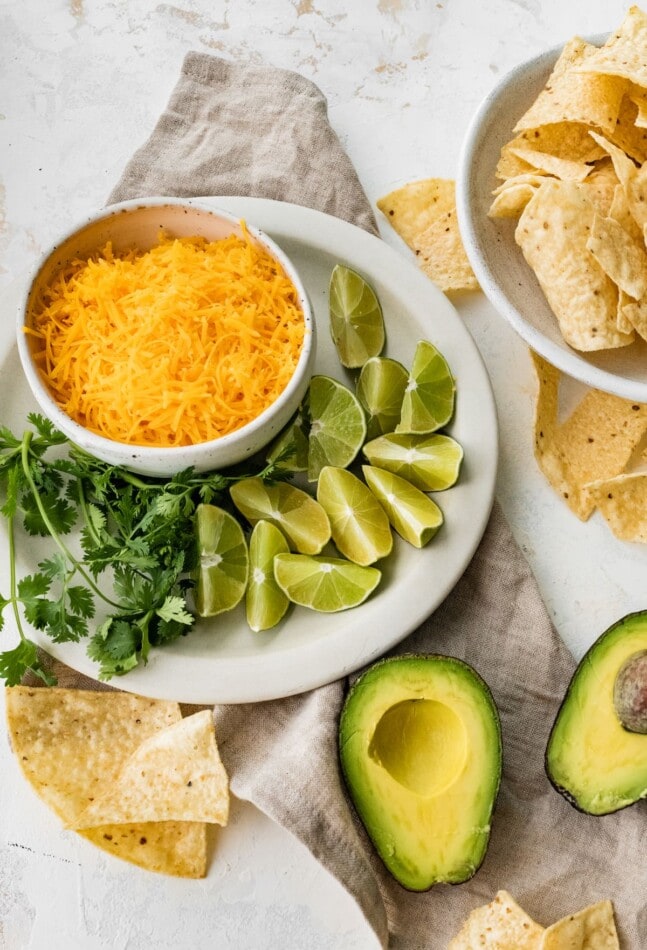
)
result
[(498, 263), (221, 660)]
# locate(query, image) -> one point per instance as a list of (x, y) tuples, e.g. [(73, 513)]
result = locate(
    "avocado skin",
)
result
[(627, 633), (384, 673)]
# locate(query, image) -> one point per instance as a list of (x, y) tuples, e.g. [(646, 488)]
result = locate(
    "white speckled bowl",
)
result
[(138, 223), (498, 263)]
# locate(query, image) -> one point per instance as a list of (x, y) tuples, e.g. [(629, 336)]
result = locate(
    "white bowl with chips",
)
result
[(138, 224), (497, 260)]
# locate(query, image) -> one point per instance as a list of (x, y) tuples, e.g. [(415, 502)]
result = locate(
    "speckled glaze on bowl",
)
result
[(498, 263), (138, 223)]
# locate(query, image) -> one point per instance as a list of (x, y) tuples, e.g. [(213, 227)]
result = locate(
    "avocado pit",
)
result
[(630, 693)]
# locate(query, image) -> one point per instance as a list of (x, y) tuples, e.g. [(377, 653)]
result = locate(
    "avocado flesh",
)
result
[(420, 749), (598, 765)]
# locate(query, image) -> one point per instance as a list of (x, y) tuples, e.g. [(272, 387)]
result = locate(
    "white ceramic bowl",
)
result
[(138, 223), (498, 263)]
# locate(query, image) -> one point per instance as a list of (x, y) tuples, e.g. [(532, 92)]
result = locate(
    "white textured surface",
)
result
[(82, 84)]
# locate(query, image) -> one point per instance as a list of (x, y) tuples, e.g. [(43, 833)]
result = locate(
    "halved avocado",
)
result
[(597, 763), (420, 749)]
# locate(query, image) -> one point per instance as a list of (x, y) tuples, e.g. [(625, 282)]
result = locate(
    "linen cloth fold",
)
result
[(233, 129)]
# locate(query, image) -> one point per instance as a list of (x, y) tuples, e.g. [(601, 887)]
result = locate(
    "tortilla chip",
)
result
[(619, 211), (601, 185), (622, 501), (631, 138), (639, 98), (563, 168), (625, 52), (623, 322), (511, 201), (592, 928), (424, 215), (636, 191), (412, 208), (635, 313), (566, 140), (619, 255), (499, 925), (572, 96), (596, 442), (624, 167), (547, 402), (442, 256), (177, 848), (71, 745), (174, 775), (632, 179), (553, 232)]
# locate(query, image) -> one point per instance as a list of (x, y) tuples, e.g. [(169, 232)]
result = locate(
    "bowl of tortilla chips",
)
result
[(552, 205)]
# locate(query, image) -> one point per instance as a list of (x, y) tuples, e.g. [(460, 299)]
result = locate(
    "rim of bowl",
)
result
[(570, 362), (164, 453)]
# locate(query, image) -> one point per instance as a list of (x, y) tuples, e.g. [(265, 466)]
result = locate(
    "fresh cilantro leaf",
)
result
[(80, 601), (174, 608), (60, 514), (46, 429), (15, 663), (32, 587), (117, 639), (54, 567), (12, 491)]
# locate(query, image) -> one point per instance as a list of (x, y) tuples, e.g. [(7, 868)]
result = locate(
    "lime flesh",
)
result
[(428, 402), (414, 515), (360, 528), (430, 462), (325, 584), (380, 389), (356, 321), (337, 425), (265, 602), (223, 561), (293, 511)]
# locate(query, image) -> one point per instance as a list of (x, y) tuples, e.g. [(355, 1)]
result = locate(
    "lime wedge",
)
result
[(292, 510), (413, 514), (223, 561), (265, 602), (324, 583), (428, 401), (356, 321), (430, 462), (359, 526), (337, 425), (289, 451), (380, 389)]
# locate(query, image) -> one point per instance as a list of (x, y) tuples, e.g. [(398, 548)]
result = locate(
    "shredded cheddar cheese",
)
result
[(175, 346)]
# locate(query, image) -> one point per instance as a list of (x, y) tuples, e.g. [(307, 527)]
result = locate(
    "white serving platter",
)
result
[(222, 660)]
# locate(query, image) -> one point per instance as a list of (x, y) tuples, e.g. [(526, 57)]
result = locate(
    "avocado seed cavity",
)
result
[(422, 744), (630, 693)]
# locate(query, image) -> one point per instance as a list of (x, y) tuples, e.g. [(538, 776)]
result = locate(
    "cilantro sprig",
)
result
[(130, 567)]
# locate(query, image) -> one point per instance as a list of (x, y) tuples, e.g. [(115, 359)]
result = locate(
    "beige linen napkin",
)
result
[(233, 129)]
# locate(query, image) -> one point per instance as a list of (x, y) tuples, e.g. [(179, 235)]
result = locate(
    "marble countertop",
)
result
[(82, 83)]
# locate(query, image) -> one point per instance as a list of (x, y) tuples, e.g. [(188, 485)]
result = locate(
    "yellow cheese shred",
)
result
[(177, 345)]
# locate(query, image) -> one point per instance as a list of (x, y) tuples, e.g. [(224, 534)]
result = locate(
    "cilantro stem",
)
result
[(65, 551), (83, 501), (13, 588)]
